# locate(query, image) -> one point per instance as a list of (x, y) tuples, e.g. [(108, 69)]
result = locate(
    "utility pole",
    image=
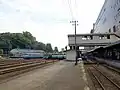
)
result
[(75, 24)]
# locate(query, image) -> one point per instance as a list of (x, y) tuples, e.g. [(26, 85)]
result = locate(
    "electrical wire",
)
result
[(70, 9), (76, 6)]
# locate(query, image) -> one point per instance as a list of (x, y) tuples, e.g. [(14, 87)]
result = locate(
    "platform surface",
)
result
[(61, 76)]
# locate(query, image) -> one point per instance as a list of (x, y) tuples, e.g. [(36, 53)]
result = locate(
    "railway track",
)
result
[(10, 70), (112, 69), (9, 65), (102, 81), (88, 62), (14, 65)]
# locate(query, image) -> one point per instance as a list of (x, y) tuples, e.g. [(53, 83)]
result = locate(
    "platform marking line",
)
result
[(84, 76)]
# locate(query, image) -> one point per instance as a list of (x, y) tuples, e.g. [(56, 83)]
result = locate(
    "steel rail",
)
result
[(17, 68), (112, 69), (103, 88), (107, 78)]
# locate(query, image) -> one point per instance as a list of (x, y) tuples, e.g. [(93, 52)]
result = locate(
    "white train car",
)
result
[(108, 20), (27, 53)]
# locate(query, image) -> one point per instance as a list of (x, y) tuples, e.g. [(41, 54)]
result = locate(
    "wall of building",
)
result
[(70, 55), (108, 17), (96, 39)]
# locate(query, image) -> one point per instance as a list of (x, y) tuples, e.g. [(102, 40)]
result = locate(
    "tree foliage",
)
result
[(49, 47), (56, 49), (39, 46), (1, 51), (23, 40), (62, 49)]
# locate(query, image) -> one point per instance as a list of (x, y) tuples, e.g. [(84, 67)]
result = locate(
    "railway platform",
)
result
[(62, 75)]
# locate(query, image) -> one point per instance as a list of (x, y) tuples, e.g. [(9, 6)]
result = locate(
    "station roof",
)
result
[(113, 44), (99, 48)]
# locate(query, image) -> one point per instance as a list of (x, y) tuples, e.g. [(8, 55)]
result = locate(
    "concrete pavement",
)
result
[(60, 76)]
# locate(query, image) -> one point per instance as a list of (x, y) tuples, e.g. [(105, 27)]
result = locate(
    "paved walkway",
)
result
[(60, 76)]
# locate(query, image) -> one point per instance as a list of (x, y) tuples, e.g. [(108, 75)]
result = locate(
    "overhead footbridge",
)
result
[(89, 42)]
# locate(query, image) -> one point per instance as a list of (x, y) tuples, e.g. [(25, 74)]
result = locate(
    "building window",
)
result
[(119, 9), (70, 47), (77, 47), (104, 9), (108, 36), (114, 29), (109, 30), (91, 37), (101, 37), (84, 38), (74, 47)]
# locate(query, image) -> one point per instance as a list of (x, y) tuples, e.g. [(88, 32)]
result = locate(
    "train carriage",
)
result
[(27, 53)]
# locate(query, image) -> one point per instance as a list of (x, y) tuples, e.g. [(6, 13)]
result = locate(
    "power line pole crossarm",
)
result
[(75, 24)]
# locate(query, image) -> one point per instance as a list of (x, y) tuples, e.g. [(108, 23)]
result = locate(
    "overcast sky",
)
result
[(48, 20)]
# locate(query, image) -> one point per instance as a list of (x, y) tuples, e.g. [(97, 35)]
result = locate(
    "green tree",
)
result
[(49, 48), (29, 36), (39, 46), (14, 40), (23, 40), (18, 40), (56, 49), (62, 49), (1, 51)]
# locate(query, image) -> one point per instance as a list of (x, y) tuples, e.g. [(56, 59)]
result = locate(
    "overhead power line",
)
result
[(73, 8), (76, 8), (70, 9)]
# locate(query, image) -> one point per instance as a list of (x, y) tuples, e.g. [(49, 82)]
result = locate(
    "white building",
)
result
[(106, 30), (109, 18)]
